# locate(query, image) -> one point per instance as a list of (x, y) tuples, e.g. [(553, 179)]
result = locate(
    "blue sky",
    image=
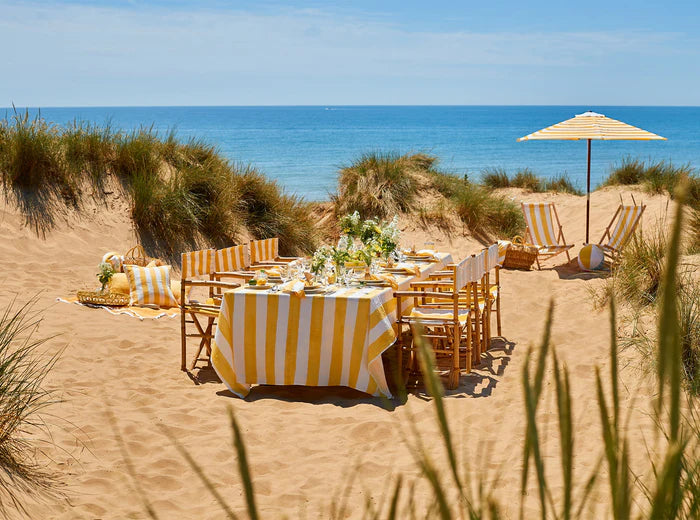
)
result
[(313, 52)]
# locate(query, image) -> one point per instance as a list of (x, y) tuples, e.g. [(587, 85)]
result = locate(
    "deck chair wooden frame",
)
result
[(540, 218), (265, 252), (628, 218), (197, 269), (446, 330)]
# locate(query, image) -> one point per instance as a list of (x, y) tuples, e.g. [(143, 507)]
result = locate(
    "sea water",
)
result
[(303, 147)]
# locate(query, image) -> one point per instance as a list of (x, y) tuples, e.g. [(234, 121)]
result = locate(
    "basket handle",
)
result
[(518, 240), (136, 252)]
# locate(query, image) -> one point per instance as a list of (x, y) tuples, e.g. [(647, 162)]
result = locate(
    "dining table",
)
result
[(334, 337)]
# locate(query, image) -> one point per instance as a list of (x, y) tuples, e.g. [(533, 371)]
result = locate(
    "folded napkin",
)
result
[(294, 287), (408, 268), (270, 271), (386, 277)]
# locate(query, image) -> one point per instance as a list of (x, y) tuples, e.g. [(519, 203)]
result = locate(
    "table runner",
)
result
[(330, 339)]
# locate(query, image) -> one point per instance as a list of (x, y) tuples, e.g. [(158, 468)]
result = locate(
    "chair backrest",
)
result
[(492, 257), (264, 250), (503, 246), (627, 220), (469, 270), (198, 263), (540, 223), (234, 258)]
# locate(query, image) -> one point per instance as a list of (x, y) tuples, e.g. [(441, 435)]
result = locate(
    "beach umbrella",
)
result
[(591, 126)]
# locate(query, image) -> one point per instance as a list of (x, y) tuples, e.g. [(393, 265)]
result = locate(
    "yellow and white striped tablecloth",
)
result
[(330, 339)]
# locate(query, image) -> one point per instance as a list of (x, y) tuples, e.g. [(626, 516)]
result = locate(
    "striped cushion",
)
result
[(233, 258), (264, 250), (150, 286), (198, 263)]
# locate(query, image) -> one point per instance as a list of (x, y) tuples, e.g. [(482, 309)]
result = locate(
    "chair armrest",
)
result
[(211, 283), (424, 294)]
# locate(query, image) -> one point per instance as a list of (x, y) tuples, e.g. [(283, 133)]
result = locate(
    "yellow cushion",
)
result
[(119, 284), (150, 286), (438, 314)]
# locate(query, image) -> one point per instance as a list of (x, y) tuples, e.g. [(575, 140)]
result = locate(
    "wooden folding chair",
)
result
[(441, 311), (266, 252), (197, 269), (493, 265), (540, 219), (628, 218)]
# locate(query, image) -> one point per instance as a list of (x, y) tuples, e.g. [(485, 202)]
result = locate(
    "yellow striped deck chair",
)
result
[(197, 271), (267, 252), (544, 230), (628, 218), (442, 313)]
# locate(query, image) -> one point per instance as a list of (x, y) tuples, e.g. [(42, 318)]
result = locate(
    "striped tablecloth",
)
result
[(330, 339)]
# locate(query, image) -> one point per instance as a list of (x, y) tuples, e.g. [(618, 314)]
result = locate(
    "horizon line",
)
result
[(39, 107)]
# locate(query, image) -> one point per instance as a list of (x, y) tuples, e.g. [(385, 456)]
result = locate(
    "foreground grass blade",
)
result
[(243, 466)]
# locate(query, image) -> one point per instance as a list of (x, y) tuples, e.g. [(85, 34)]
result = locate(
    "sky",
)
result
[(144, 53)]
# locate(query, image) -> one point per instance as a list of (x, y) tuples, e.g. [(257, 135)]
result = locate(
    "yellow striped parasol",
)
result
[(591, 126)]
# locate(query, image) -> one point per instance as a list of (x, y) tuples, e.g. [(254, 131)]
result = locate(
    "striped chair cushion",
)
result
[(198, 263), (264, 250), (233, 258), (150, 286)]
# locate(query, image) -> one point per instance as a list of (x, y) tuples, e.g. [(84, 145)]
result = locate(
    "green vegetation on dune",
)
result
[(384, 184), (182, 195), (528, 180)]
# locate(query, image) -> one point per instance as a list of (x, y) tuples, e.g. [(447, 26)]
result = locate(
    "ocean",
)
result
[(303, 147)]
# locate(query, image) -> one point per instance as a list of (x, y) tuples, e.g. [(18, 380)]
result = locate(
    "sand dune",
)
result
[(303, 443)]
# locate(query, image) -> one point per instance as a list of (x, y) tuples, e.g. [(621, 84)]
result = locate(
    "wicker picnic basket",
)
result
[(520, 255), (103, 298), (136, 256)]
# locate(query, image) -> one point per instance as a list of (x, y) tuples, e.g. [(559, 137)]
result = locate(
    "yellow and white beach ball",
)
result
[(591, 257)]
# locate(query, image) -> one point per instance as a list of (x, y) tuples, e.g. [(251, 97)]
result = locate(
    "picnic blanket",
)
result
[(141, 313)]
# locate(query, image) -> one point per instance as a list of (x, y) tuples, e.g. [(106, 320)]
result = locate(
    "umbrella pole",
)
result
[(588, 190)]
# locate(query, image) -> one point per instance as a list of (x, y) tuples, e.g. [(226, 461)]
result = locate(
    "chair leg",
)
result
[(183, 336)]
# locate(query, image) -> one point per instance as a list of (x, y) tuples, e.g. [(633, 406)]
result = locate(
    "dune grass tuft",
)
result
[(485, 214), (656, 177), (380, 184), (183, 195), (23, 401), (526, 179)]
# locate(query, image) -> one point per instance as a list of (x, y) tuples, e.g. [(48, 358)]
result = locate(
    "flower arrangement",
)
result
[(320, 258), (105, 274)]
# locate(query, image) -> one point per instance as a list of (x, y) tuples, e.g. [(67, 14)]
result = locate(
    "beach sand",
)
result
[(304, 444)]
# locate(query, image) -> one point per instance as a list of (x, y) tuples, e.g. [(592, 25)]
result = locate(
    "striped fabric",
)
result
[(540, 223), (626, 223), (591, 125), (150, 286), (234, 258), (493, 257), (320, 340), (478, 266), (463, 272), (198, 263), (264, 250), (503, 246)]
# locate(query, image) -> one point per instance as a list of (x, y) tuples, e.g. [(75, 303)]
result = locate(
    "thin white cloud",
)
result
[(64, 53)]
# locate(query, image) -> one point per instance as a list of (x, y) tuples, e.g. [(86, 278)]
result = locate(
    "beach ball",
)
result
[(591, 257)]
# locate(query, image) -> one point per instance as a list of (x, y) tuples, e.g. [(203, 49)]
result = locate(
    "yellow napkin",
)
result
[(294, 287), (408, 268), (269, 271), (427, 253), (386, 277)]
